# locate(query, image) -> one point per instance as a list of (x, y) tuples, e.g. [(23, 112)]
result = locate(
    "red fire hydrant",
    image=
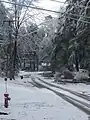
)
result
[(6, 95)]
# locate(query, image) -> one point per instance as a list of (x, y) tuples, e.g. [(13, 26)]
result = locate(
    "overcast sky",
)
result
[(49, 4)]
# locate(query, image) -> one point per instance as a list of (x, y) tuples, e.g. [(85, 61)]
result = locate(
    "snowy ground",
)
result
[(78, 87), (30, 103)]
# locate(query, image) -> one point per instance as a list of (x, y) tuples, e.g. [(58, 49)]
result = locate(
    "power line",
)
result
[(51, 11), (57, 1), (48, 21), (45, 9), (48, 9), (38, 8), (63, 14), (80, 6)]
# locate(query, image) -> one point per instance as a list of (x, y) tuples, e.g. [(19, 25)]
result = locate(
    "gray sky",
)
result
[(49, 4)]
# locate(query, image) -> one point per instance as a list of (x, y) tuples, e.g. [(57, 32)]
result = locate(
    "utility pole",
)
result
[(13, 58), (15, 43), (10, 61), (9, 50)]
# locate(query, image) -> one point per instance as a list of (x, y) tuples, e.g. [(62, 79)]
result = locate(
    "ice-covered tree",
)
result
[(72, 36), (46, 45)]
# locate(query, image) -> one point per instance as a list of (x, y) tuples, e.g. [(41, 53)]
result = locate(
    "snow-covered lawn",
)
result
[(31, 103)]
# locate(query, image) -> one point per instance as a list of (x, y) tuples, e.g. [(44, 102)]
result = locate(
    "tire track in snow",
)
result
[(86, 97), (79, 104)]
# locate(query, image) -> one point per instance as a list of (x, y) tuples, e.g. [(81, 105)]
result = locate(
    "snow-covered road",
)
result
[(77, 99), (31, 103)]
